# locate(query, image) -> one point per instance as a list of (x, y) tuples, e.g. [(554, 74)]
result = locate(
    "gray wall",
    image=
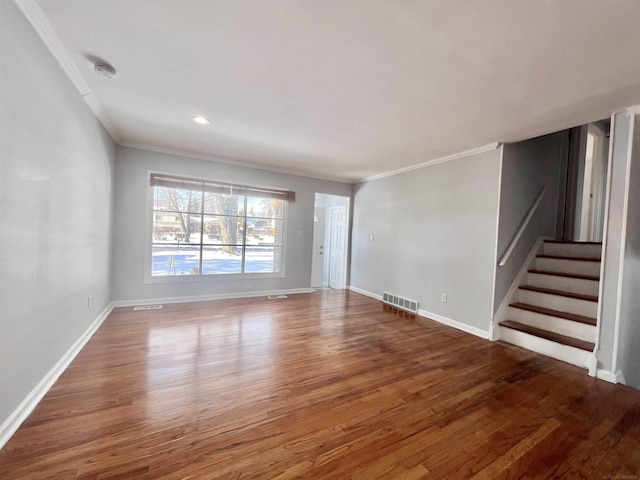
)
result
[(629, 338), (55, 211), (527, 168), (434, 232), (613, 239), (130, 209)]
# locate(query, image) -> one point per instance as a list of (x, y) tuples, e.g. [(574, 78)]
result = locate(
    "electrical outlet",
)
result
[(443, 297), (89, 301)]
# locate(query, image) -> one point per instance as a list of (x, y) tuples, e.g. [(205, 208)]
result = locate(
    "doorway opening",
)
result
[(330, 241), (586, 182)]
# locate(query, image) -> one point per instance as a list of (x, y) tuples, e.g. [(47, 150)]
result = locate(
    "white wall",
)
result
[(55, 212), (130, 208), (628, 354), (527, 168), (613, 241), (434, 232)]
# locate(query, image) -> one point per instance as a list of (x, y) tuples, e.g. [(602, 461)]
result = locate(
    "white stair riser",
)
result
[(568, 266), (558, 302), (566, 284), (572, 355), (562, 326), (573, 250)]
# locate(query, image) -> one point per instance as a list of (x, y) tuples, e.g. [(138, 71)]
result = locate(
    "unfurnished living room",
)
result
[(319, 239)]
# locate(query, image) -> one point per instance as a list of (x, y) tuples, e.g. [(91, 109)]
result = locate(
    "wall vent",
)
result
[(400, 302), (146, 307)]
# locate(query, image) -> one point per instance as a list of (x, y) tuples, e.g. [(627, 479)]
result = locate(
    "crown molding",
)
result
[(228, 161), (455, 156), (38, 20), (36, 17), (635, 110), (96, 107), (43, 28)]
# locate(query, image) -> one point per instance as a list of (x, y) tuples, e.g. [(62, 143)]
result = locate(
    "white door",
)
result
[(317, 261), (338, 263), (591, 220), (599, 183)]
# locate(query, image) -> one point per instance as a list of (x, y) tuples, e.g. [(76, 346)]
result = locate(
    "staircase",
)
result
[(555, 312)]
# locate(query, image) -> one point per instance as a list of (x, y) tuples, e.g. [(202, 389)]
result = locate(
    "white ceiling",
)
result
[(344, 89)]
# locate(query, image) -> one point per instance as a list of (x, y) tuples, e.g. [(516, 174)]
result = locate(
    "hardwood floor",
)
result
[(323, 385)]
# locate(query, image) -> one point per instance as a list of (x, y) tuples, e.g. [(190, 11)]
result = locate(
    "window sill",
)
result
[(219, 278)]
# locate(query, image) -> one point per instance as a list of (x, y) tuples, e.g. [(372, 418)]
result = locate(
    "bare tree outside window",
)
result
[(203, 232)]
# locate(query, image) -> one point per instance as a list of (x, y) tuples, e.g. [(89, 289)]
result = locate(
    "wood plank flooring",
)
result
[(328, 385)]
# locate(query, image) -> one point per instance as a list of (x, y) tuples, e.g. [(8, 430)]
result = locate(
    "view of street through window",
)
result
[(199, 232)]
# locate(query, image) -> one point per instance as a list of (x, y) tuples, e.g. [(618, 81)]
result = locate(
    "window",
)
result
[(212, 228)]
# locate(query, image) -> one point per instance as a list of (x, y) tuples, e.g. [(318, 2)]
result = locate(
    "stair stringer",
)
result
[(512, 294)]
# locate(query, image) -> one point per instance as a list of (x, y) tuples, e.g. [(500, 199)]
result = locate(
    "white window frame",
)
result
[(200, 278)]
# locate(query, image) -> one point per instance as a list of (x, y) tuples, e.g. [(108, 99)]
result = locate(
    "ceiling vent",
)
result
[(105, 69)]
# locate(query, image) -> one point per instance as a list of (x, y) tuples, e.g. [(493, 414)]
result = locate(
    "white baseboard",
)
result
[(433, 316), (204, 298), (606, 375), (494, 332), (593, 365), (20, 414), (478, 332), (364, 292)]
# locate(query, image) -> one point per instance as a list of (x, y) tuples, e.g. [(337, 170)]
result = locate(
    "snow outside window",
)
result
[(204, 228)]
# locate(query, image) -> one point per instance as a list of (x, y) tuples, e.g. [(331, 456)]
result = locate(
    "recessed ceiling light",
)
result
[(201, 120)]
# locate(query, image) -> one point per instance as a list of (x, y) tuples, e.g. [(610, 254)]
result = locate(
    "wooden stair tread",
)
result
[(573, 242), (569, 275), (547, 335), (555, 313), (561, 293), (564, 257)]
